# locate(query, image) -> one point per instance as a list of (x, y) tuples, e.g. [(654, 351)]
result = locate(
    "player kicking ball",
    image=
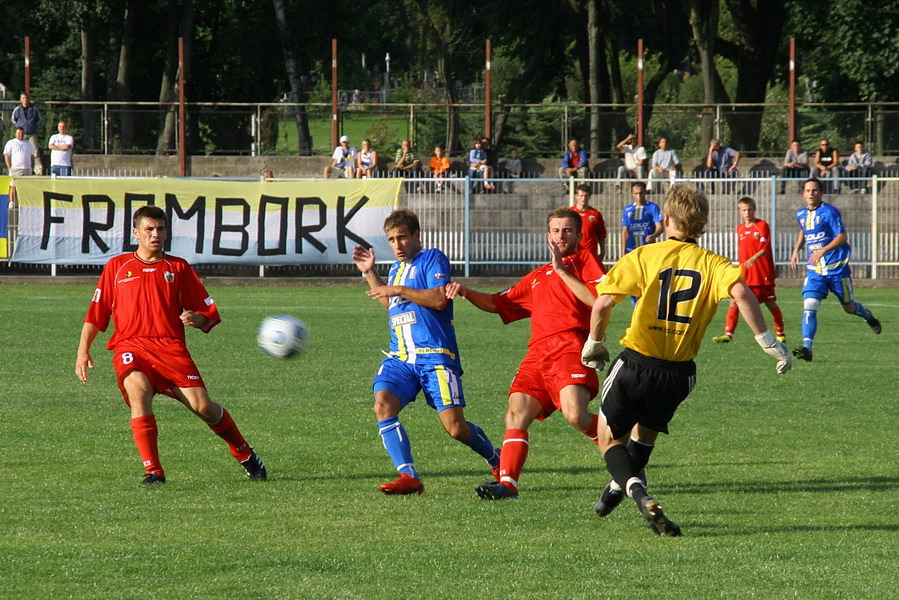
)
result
[(423, 352), (151, 296), (678, 285)]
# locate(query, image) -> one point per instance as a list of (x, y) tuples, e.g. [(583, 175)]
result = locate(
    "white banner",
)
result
[(76, 221)]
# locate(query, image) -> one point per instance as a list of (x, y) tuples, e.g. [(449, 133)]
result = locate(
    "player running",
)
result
[(822, 232), (679, 285), (757, 257), (423, 352), (557, 297), (151, 296)]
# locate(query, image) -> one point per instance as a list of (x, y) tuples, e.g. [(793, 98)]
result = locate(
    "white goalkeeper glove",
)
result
[(777, 349), (595, 354)]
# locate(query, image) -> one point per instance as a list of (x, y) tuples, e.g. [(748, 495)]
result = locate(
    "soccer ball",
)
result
[(282, 336)]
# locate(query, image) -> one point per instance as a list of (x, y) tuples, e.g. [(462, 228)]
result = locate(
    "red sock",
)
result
[(145, 435), (730, 324), (512, 457), (228, 431), (590, 432), (778, 319)]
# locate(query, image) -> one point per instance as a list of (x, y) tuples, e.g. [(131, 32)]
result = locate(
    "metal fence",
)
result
[(538, 130), (503, 232)]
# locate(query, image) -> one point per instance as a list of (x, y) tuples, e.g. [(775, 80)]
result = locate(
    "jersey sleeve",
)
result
[(725, 275), (623, 279), (437, 269), (601, 232), (100, 309), (515, 303)]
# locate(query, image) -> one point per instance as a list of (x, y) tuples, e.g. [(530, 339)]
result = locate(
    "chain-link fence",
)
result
[(538, 130)]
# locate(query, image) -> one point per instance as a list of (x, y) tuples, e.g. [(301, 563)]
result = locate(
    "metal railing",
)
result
[(503, 232)]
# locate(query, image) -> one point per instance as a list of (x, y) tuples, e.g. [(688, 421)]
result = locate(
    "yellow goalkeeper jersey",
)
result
[(678, 286)]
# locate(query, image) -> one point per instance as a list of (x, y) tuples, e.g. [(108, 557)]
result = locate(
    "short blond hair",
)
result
[(688, 208)]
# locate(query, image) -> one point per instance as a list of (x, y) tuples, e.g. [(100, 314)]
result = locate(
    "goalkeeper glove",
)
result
[(595, 354), (777, 349)]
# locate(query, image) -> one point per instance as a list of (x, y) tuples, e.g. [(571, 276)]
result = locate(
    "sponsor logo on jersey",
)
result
[(578, 375), (209, 301), (97, 293), (193, 377), (440, 276), (406, 318), (169, 276), (150, 270)]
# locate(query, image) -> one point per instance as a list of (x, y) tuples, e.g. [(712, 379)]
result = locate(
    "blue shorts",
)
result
[(441, 384), (817, 286)]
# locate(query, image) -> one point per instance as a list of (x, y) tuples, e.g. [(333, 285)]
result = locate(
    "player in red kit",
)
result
[(557, 297), (151, 296), (757, 258), (593, 227)]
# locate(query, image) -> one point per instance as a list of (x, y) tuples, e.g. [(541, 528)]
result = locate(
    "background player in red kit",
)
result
[(593, 226), (151, 297), (757, 258), (558, 297)]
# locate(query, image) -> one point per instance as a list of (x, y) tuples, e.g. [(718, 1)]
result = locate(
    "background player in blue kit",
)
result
[(641, 222), (822, 232), (423, 351)]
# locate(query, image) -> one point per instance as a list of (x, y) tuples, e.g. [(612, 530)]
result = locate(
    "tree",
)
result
[(295, 68)]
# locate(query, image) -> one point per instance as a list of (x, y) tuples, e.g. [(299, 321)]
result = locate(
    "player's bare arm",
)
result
[(479, 299), (818, 254), (800, 242), (83, 361), (434, 298)]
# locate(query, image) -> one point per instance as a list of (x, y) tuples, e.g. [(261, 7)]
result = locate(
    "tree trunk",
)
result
[(88, 114), (295, 70), (594, 89), (122, 86), (165, 142), (704, 23)]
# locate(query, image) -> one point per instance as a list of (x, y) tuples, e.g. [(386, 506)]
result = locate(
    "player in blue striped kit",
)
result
[(423, 351), (823, 234)]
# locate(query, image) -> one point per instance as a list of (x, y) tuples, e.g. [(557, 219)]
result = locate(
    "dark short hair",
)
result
[(639, 184), (747, 200), (815, 181), (402, 217), (584, 188), (148, 212)]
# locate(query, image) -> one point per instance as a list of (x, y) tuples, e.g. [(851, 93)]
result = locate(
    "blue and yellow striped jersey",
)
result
[(820, 227), (420, 335)]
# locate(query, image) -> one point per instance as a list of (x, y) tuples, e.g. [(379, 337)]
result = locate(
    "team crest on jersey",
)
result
[(169, 276), (412, 271)]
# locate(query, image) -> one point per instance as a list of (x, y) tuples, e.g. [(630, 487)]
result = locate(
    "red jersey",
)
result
[(753, 237), (593, 228), (146, 299), (544, 297)]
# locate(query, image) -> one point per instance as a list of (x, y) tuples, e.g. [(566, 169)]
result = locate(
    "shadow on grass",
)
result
[(877, 484)]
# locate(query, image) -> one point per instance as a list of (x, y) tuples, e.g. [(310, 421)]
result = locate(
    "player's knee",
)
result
[(850, 307), (811, 304)]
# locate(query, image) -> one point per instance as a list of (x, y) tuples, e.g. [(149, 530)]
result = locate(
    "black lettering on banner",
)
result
[(304, 232), (49, 220), (669, 300), (281, 246), (90, 228), (128, 225), (343, 220), (221, 227), (198, 208)]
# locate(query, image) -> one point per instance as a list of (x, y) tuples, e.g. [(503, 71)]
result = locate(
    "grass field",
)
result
[(785, 487)]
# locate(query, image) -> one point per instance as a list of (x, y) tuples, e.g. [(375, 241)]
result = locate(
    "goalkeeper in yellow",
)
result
[(678, 286)]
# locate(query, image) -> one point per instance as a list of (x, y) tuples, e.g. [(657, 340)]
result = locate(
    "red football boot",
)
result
[(404, 484)]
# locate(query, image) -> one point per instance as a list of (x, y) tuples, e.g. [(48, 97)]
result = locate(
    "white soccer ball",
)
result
[(282, 336)]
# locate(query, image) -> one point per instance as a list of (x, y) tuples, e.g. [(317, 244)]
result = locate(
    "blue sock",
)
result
[(861, 311), (480, 443), (809, 327), (397, 444)]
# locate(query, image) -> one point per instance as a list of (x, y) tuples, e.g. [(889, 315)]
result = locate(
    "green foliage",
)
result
[(779, 483)]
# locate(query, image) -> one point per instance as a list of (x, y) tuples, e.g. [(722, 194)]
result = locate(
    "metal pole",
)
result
[(640, 92), (488, 117), (182, 129), (334, 128), (791, 129), (28, 65)]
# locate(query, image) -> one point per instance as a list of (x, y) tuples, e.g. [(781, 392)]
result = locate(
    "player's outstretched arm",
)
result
[(479, 299), (83, 361), (752, 314)]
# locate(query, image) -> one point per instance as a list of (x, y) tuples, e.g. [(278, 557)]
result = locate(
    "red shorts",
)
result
[(763, 293), (549, 366), (166, 362)]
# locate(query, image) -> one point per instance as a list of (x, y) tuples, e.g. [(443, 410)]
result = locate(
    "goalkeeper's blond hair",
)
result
[(688, 208)]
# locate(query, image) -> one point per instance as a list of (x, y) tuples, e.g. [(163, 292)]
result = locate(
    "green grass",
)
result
[(785, 487)]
